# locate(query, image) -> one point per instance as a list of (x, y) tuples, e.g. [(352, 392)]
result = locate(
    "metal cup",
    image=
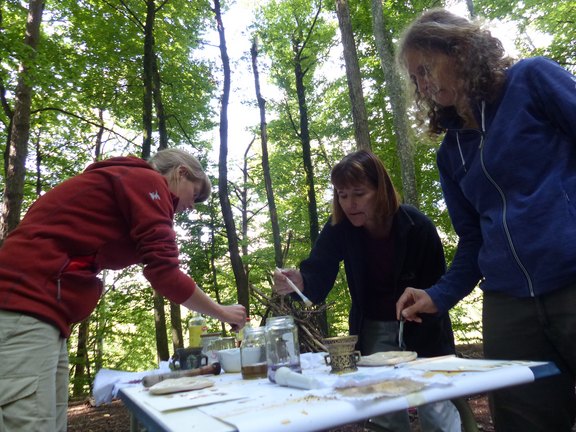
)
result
[(341, 357)]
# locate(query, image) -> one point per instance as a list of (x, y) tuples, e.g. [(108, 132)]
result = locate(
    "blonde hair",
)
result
[(364, 168), (168, 161)]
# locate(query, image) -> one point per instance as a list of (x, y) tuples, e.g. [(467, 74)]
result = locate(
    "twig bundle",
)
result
[(307, 319)]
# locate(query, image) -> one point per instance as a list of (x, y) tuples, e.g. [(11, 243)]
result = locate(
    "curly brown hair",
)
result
[(480, 60)]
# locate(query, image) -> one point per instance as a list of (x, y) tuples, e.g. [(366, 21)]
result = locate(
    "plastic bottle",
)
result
[(196, 328)]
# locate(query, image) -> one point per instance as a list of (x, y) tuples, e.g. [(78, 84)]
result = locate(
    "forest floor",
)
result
[(115, 417)]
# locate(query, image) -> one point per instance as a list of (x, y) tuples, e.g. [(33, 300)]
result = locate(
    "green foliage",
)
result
[(538, 21)]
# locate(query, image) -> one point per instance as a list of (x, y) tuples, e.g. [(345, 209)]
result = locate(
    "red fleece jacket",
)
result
[(116, 213)]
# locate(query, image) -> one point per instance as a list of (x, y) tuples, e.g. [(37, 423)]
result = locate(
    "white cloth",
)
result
[(108, 381)]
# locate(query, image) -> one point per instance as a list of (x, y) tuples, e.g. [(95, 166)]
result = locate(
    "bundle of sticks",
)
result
[(310, 320)]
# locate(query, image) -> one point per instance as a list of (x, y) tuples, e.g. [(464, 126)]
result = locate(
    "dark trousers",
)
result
[(542, 328)]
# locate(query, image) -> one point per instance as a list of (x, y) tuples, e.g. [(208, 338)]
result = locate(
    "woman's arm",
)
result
[(235, 315)]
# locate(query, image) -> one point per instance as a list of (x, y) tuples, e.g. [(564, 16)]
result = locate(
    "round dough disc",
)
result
[(387, 358), (174, 385)]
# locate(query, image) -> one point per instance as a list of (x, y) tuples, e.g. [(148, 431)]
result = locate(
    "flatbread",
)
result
[(174, 385), (386, 358), (397, 387)]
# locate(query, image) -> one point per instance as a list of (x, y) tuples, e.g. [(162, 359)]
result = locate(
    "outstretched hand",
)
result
[(412, 303)]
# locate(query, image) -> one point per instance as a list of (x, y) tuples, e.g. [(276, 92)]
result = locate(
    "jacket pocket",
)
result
[(78, 293)]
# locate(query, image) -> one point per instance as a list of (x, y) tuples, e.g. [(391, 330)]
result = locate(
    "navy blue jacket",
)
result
[(510, 188), (419, 262)]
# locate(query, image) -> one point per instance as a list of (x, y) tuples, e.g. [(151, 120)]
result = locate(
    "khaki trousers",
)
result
[(33, 375)]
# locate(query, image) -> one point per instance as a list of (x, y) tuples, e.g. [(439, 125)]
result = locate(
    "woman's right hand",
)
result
[(412, 303), (235, 315), (281, 285)]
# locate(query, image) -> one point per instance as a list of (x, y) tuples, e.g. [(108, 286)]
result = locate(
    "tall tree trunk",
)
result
[(213, 269), (245, 201), (148, 78), (298, 47), (81, 359), (265, 160), (353, 77), (159, 104), (82, 362), (38, 165), (236, 260), (175, 310), (20, 131), (152, 94), (176, 324), (160, 328), (395, 88), (305, 142), (470, 5)]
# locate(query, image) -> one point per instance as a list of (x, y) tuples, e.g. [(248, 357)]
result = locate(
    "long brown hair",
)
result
[(480, 59), (360, 168)]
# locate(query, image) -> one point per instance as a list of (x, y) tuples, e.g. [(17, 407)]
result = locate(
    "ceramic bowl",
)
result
[(230, 359)]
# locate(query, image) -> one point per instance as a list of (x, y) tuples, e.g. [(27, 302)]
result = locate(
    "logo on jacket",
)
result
[(154, 195)]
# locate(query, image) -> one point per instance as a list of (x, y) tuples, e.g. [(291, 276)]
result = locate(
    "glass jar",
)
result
[(282, 347), (208, 350), (253, 353)]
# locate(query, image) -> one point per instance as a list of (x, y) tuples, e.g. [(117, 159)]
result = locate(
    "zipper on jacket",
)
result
[(58, 280), (504, 206)]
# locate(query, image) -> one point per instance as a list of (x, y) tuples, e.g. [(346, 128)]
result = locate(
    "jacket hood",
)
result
[(125, 161)]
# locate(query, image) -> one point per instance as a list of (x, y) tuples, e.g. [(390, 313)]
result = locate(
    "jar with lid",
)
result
[(282, 347), (253, 353)]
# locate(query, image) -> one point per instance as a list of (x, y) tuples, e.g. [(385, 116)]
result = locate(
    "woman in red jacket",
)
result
[(118, 212)]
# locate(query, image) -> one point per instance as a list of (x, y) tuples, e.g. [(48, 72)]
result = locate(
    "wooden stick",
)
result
[(211, 369)]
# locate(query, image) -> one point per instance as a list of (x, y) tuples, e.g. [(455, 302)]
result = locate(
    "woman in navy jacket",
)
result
[(508, 172), (385, 247)]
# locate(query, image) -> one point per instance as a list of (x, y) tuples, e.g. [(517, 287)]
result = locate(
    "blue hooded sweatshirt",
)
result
[(510, 189)]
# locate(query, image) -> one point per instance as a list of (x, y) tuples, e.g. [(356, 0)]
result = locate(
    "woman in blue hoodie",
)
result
[(507, 167)]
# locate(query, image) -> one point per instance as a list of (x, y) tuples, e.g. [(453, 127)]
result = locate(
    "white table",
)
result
[(264, 406)]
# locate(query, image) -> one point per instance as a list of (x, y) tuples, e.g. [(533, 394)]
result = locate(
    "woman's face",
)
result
[(186, 190), (435, 76), (359, 204)]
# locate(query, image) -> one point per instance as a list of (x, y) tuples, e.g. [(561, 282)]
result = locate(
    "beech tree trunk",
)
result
[(265, 162), (353, 77), (17, 150), (395, 88), (148, 78), (152, 99), (235, 258)]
